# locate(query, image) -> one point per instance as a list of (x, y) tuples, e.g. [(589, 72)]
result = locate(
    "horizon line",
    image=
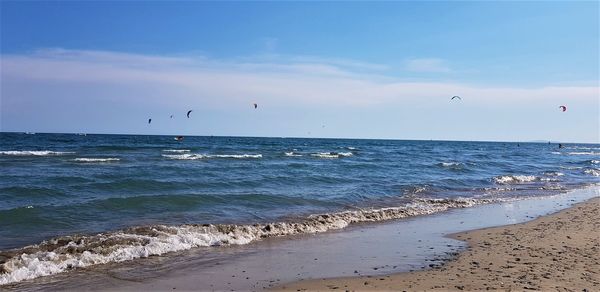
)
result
[(292, 137)]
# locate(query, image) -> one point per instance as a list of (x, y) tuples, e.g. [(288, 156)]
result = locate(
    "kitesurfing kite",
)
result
[(188, 113), (171, 116), (456, 96), (255, 105), (563, 108), (149, 121)]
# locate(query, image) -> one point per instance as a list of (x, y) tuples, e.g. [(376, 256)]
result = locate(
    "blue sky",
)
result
[(329, 69)]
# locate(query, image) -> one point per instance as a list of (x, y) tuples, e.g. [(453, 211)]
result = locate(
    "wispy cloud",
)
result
[(57, 89), (292, 80), (431, 65)]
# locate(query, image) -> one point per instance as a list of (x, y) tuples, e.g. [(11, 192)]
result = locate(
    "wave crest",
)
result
[(508, 179), (83, 159), (69, 252), (194, 156), (332, 154), (592, 171), (35, 153)]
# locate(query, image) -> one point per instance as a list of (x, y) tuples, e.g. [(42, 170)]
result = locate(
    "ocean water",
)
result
[(70, 201)]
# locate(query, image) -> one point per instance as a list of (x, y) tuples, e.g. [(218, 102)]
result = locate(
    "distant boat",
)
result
[(179, 138)]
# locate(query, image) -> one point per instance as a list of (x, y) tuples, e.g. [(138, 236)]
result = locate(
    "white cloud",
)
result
[(291, 80), (431, 65), (54, 90)]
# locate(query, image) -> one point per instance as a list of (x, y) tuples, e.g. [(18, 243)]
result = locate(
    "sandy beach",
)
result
[(558, 252)]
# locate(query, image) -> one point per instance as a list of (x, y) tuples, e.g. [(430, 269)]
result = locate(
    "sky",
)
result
[(316, 69)]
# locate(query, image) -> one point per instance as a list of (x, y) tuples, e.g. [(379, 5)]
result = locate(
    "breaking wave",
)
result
[(592, 171), (70, 252), (193, 156), (292, 154), (35, 153), (583, 153), (508, 179), (96, 159), (332, 154), (177, 150)]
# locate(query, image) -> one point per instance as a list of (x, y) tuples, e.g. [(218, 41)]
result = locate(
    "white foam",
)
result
[(507, 179), (35, 153), (332, 154), (292, 154), (235, 156), (594, 172), (194, 156), (177, 150), (186, 156), (584, 153), (83, 159), (595, 161), (450, 164), (66, 253)]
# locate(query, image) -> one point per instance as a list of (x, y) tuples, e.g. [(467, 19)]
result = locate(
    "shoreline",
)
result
[(559, 251), (364, 249)]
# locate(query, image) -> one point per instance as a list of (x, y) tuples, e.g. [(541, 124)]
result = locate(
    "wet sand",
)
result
[(557, 252)]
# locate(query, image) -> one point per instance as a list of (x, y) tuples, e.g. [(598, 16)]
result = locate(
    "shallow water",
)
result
[(63, 185)]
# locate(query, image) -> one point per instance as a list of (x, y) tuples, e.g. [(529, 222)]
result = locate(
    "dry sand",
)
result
[(558, 252)]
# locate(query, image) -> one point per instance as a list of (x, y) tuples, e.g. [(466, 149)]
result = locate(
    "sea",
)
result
[(69, 201)]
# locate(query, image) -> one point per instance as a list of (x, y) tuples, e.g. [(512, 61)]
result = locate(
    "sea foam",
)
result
[(177, 150), (69, 252), (508, 179), (332, 154), (194, 156), (84, 159), (35, 153)]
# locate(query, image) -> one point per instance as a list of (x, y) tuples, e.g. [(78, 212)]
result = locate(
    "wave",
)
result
[(584, 153), (83, 159), (35, 153), (186, 156), (177, 150), (451, 165), (592, 171), (582, 147), (194, 156), (553, 173), (235, 156), (70, 252), (508, 179), (332, 154), (595, 161), (292, 154)]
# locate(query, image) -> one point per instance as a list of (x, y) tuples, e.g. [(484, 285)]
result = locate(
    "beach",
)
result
[(550, 251), (558, 252)]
